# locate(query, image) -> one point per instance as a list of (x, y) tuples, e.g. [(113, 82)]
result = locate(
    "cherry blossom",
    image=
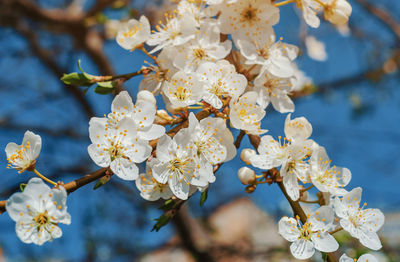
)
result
[(311, 235), (363, 258), (359, 222), (38, 211), (133, 33), (220, 80), (23, 157)]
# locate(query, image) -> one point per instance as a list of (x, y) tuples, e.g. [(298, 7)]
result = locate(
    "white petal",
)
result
[(124, 169), (100, 157), (302, 249), (154, 132), (324, 242), (288, 229)]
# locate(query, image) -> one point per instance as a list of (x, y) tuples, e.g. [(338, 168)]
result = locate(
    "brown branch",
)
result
[(383, 16), (99, 6)]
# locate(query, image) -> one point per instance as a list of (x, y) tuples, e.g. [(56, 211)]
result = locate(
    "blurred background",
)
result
[(354, 107)]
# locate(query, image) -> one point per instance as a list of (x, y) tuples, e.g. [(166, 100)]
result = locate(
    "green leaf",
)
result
[(22, 187), (102, 181), (203, 197), (161, 221), (104, 88), (76, 79), (88, 76), (169, 204)]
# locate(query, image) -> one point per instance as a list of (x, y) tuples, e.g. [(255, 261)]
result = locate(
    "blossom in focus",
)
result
[(205, 47), (175, 164), (246, 18), (133, 33), (313, 234), (37, 212), (275, 90), (177, 31), (150, 189), (363, 258), (23, 157), (359, 222), (142, 113), (119, 147), (183, 89), (325, 177), (246, 115), (298, 128), (220, 80), (213, 143), (275, 57)]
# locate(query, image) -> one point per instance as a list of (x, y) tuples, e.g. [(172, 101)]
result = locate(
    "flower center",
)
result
[(178, 165), (249, 14), (42, 219), (181, 93), (305, 231), (199, 53)]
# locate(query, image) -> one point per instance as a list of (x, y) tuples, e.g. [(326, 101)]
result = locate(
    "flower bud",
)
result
[(337, 12), (146, 96), (246, 154), (162, 117), (246, 175)]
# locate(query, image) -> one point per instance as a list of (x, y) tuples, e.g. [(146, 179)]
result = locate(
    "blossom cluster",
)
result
[(224, 58)]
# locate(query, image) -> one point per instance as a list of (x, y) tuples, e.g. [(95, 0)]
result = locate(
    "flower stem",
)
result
[(149, 55), (44, 178), (336, 230), (284, 3), (308, 188)]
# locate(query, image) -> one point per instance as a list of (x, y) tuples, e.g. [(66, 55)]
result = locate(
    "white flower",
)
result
[(327, 178), (315, 49), (213, 143), (246, 154), (309, 9), (183, 89), (290, 155), (246, 115), (359, 222), (295, 167), (133, 33), (23, 157), (205, 47), (143, 115), (192, 9), (118, 146), (247, 18), (150, 189), (246, 175), (220, 80), (337, 11), (298, 128), (275, 57), (311, 235), (363, 258), (177, 31), (175, 164), (275, 90), (37, 212), (161, 72)]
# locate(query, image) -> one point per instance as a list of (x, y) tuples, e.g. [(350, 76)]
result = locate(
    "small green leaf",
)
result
[(22, 187), (161, 221), (102, 181), (88, 76), (76, 79), (168, 204), (104, 88), (203, 197)]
